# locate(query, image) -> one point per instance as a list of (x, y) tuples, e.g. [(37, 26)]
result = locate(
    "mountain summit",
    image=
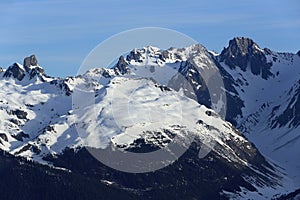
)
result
[(30, 68), (247, 55)]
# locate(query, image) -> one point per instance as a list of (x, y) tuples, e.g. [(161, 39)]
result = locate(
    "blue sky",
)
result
[(62, 33)]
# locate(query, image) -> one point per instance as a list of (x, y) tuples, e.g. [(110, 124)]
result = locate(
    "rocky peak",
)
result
[(15, 71), (139, 55), (246, 54), (135, 55), (30, 61), (30, 67), (298, 53), (242, 45), (152, 50), (122, 66)]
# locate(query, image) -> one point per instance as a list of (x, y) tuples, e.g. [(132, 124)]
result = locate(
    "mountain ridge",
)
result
[(38, 118)]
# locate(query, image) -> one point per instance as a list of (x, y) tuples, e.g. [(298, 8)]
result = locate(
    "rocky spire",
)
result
[(30, 61), (122, 66), (30, 67)]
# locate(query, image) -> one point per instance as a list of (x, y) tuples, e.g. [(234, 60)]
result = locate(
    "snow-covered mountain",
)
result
[(268, 84), (151, 98)]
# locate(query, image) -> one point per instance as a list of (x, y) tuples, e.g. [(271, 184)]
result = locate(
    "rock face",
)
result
[(291, 115), (234, 102), (19, 136), (135, 55), (121, 67), (245, 53), (3, 137), (20, 114), (15, 71), (298, 53), (30, 61), (36, 71), (191, 74), (30, 67)]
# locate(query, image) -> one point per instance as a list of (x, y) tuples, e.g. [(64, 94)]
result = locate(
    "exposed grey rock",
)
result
[(291, 115), (245, 53), (30, 61), (267, 51), (191, 74), (31, 67), (62, 84), (164, 55), (168, 54), (122, 66), (15, 121), (36, 71), (19, 136), (135, 55), (19, 113), (31, 147), (49, 128), (14, 71), (3, 137), (234, 102), (1, 69), (298, 53), (106, 74)]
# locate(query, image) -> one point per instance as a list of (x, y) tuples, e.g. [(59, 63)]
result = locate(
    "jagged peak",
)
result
[(151, 49), (245, 54), (122, 66), (29, 68), (242, 45), (171, 54), (15, 70), (195, 47)]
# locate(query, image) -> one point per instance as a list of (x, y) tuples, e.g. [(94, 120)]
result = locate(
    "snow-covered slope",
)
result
[(38, 117), (32, 107), (158, 97)]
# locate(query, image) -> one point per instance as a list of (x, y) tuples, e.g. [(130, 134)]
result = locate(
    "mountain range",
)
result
[(237, 128)]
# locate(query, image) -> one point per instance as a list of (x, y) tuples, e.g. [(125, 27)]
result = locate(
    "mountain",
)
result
[(164, 100), (270, 116)]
